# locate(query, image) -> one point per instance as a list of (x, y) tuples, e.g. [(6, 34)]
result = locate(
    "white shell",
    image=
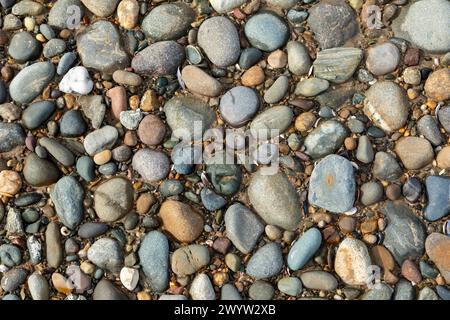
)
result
[(77, 80), (129, 277)]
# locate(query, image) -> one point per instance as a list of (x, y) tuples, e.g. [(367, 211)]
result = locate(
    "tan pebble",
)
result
[(65, 34), (437, 86), (40, 37), (70, 100), (128, 13), (277, 59), (220, 278), (350, 143), (382, 257), (10, 182), (134, 102), (130, 138), (149, 101), (390, 278), (145, 202), (142, 295), (347, 224), (411, 272), (87, 267), (370, 238), (102, 157), (62, 284), (253, 76), (412, 94), (198, 81), (443, 158), (305, 121), (273, 232)]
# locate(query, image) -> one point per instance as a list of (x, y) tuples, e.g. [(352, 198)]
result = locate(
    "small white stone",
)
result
[(77, 80), (129, 277)]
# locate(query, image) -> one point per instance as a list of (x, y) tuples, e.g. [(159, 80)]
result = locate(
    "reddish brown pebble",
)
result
[(382, 257), (3, 38), (118, 96), (151, 130), (302, 104), (130, 138), (238, 14), (7, 73), (347, 224), (369, 226), (412, 57), (221, 245), (330, 235), (393, 191), (411, 272), (350, 143)]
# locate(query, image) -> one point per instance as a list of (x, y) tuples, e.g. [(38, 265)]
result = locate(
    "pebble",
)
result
[(119, 104), (58, 151), (412, 189), (333, 23), (249, 57), (10, 182), (271, 122), (404, 291), (105, 290), (154, 259), (67, 196), (261, 290), (311, 87), (385, 167), (107, 254), (170, 188), (298, 58), (325, 139), (113, 199), (266, 31), (443, 292), (411, 272), (100, 139), (99, 47), (60, 15), (382, 58), (242, 227), (371, 193), (37, 113), (168, 21), (127, 78), (151, 165), (38, 286), (404, 234), (53, 48), (229, 292), (304, 249), (319, 280), (39, 172), (30, 81), (24, 47), (352, 262), (412, 76), (427, 294), (86, 168), (10, 255), (151, 130), (253, 76), (11, 136), (72, 124), (438, 191), (182, 221), (130, 119), (338, 64), (274, 199), (129, 277), (54, 250), (27, 8), (424, 24), (218, 38), (13, 279), (290, 285), (329, 190), (436, 246), (437, 86), (379, 291), (128, 13), (94, 109), (198, 81), (188, 260), (277, 91), (81, 282), (428, 127), (365, 152), (277, 59), (10, 112), (201, 288), (101, 8), (266, 262), (239, 105), (414, 152), (211, 200), (444, 118), (92, 230)]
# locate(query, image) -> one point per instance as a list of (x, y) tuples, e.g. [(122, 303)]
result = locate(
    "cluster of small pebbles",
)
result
[(96, 201)]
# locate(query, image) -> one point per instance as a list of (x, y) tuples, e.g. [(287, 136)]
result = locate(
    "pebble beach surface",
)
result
[(98, 201)]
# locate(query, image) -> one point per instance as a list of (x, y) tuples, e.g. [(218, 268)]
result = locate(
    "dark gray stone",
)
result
[(68, 196)]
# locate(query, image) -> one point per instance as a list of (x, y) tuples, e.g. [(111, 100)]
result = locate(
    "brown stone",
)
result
[(222, 245), (10, 182), (62, 284), (305, 121), (198, 81), (182, 221), (277, 59), (3, 38), (382, 257), (437, 247), (437, 86), (412, 57), (411, 272), (128, 13), (369, 226), (350, 143), (393, 191), (253, 76), (149, 101), (130, 138), (347, 224), (119, 102), (145, 202), (443, 158), (303, 104), (414, 152), (151, 130), (330, 235), (7, 73)]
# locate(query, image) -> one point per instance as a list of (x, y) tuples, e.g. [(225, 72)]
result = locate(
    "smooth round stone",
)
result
[(154, 60), (337, 65), (325, 139), (266, 262), (38, 286), (121, 153), (113, 199), (271, 122), (65, 63), (101, 8), (278, 90), (386, 105), (76, 80), (200, 82), (242, 227), (39, 172), (266, 31), (385, 167), (168, 21), (107, 254), (304, 249), (72, 124), (380, 291), (61, 16), (424, 23), (127, 78), (319, 280), (9, 111), (11, 136), (404, 290), (412, 189), (7, 3), (428, 127), (47, 31), (443, 292), (261, 290), (100, 139), (26, 199), (239, 105), (10, 255), (100, 47), (364, 152), (438, 191), (297, 16), (299, 60), (24, 47), (92, 230), (437, 86), (30, 81), (128, 13), (188, 260), (193, 55), (224, 6), (61, 154), (219, 39), (12, 279), (371, 193), (274, 199), (54, 47), (284, 4), (311, 87), (229, 292), (412, 76), (27, 8), (211, 200), (352, 262), (151, 165), (105, 290), (249, 57), (184, 113), (37, 113), (291, 286), (130, 119), (170, 188), (414, 152), (86, 168), (355, 125), (226, 178), (201, 288), (382, 59), (427, 294), (154, 259), (68, 196)]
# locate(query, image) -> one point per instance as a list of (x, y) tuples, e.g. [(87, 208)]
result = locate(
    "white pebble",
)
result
[(129, 278), (77, 80)]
